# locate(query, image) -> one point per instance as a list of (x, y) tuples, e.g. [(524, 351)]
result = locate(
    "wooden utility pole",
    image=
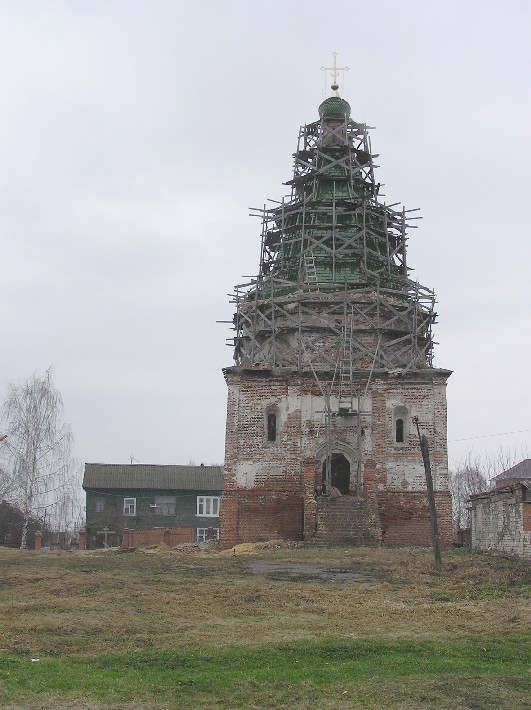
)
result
[(431, 496)]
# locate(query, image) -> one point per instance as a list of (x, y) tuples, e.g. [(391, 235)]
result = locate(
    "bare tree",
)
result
[(473, 474), (39, 474), (464, 480)]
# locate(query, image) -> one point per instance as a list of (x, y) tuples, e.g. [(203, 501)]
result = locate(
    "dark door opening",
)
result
[(340, 473)]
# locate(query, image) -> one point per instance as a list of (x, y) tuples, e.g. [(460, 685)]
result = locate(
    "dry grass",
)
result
[(98, 602), (194, 630)]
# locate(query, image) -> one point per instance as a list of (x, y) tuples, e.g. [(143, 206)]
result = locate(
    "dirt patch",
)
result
[(305, 572), (248, 548)]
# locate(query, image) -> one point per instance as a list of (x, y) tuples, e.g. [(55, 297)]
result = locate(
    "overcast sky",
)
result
[(135, 135)]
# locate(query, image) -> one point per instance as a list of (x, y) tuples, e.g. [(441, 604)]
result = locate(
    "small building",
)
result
[(11, 525), (516, 474), (140, 504), (501, 518)]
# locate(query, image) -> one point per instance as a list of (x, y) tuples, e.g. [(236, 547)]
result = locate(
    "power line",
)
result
[(488, 436)]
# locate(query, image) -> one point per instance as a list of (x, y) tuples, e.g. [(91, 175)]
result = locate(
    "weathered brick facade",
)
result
[(273, 489)]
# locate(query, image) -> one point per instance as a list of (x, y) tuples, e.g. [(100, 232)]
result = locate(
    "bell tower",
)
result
[(333, 353)]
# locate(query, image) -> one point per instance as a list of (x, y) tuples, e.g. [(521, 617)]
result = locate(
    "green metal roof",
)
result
[(334, 107), (196, 478)]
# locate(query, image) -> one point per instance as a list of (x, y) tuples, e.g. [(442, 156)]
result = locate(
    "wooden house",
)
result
[(140, 504)]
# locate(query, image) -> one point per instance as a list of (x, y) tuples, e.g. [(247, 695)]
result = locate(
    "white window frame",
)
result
[(130, 507), (202, 534), (208, 506)]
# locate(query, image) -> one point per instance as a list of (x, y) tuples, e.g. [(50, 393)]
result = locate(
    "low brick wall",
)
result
[(158, 536)]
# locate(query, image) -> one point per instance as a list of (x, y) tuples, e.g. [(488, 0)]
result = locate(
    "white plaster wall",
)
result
[(497, 524), (409, 476), (248, 473)]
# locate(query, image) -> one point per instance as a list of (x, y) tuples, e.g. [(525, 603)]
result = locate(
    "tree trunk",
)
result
[(24, 539)]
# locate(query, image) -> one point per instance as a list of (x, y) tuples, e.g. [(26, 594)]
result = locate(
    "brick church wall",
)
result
[(271, 487), (254, 516), (405, 518)]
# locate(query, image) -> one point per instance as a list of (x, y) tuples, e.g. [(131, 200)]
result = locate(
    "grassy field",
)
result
[(197, 629)]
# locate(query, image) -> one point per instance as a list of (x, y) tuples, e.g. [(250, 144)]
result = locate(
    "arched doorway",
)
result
[(340, 473)]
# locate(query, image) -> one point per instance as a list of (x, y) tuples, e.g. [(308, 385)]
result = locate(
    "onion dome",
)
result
[(334, 107)]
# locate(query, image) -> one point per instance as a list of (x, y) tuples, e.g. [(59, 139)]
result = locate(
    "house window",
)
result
[(202, 534), (100, 505), (208, 506), (164, 505), (271, 426), (129, 506)]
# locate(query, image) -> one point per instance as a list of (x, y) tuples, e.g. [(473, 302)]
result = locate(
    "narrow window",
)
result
[(129, 506), (271, 426), (399, 431)]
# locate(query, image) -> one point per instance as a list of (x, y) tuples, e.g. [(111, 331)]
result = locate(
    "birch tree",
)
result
[(39, 473)]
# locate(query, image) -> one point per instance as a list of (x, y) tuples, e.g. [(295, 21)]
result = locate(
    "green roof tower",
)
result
[(333, 246)]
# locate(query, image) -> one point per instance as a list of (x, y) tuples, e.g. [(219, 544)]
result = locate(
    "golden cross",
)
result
[(334, 71)]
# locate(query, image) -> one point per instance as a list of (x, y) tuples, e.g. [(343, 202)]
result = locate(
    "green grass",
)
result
[(297, 675)]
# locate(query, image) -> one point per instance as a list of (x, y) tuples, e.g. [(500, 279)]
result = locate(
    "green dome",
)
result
[(334, 107)]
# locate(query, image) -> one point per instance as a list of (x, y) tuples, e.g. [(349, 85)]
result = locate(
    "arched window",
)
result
[(271, 426), (399, 431)]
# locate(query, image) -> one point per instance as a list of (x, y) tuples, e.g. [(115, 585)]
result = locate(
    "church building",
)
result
[(333, 352)]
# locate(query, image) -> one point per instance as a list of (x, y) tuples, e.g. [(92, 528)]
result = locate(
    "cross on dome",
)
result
[(334, 70)]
